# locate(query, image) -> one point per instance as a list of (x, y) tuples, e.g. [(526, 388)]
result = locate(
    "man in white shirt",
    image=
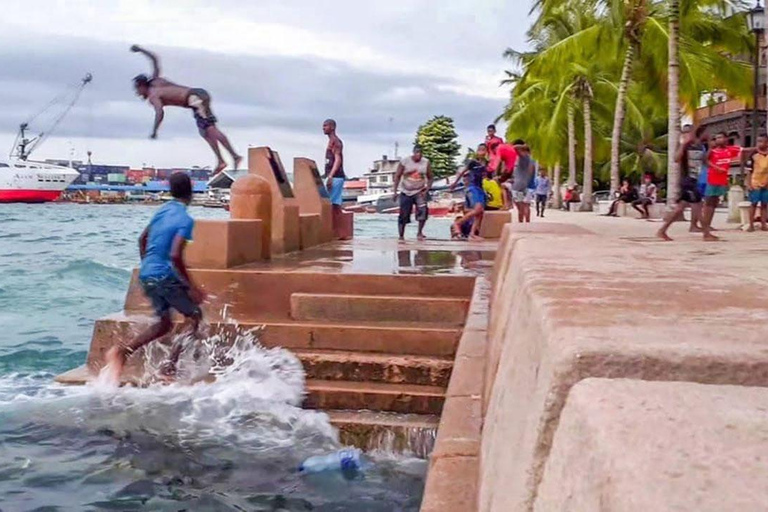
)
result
[(415, 175)]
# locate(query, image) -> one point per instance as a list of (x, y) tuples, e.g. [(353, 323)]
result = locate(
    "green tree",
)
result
[(438, 140)]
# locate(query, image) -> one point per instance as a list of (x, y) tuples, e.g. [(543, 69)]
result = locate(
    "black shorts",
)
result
[(642, 202), (689, 190), (169, 292), (406, 206), (200, 102)]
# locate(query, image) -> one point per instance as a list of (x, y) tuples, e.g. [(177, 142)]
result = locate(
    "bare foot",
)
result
[(476, 237), (664, 236), (114, 361), (763, 228), (420, 237), (222, 165), (695, 229), (711, 238), (167, 372), (238, 161), (751, 229)]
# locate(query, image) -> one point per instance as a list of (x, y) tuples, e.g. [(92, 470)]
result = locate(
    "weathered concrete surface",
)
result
[(493, 223), (454, 464), (251, 199), (637, 446), (221, 244), (399, 433), (569, 307), (310, 230), (385, 308), (405, 398)]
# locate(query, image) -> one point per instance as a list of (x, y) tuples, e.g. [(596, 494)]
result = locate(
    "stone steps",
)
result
[(402, 398), (378, 308), (386, 431)]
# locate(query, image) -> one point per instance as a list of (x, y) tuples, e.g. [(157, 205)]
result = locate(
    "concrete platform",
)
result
[(628, 445), (617, 303), (404, 398)]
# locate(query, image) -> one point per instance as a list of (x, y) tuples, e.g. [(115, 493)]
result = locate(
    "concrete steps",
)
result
[(373, 367), (402, 398), (378, 308)]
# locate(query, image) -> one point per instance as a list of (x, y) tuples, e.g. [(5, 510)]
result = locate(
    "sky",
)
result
[(275, 70)]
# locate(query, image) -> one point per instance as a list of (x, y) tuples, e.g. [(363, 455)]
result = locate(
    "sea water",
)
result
[(234, 444)]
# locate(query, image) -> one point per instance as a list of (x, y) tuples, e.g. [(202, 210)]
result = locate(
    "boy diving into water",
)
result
[(160, 93), (164, 277)]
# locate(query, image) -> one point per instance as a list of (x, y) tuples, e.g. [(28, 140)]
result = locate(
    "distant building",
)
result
[(381, 178), (354, 189)]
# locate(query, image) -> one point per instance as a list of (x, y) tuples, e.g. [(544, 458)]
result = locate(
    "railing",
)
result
[(726, 107)]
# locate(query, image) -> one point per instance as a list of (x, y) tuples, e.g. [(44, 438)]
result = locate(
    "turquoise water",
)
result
[(233, 445)]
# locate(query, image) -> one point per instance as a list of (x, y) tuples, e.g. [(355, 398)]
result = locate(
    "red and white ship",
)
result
[(24, 181), (28, 181)]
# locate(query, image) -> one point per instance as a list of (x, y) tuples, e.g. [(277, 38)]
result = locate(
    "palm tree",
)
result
[(673, 93), (571, 144), (586, 198)]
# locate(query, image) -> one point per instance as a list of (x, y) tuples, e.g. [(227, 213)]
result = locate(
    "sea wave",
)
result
[(94, 272)]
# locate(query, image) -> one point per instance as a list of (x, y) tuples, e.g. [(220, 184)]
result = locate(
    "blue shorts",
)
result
[(759, 195), (715, 190), (337, 191), (169, 292), (475, 196)]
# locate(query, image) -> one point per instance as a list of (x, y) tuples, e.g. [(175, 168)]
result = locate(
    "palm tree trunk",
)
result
[(571, 145), (557, 200), (586, 197), (618, 117), (673, 168)]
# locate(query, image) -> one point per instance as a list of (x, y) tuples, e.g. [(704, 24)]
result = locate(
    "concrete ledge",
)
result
[(222, 244), (493, 223), (452, 486), (345, 230), (310, 230), (656, 210), (555, 322), (651, 446)]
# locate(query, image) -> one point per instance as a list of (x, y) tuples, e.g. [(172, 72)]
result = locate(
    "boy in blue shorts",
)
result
[(164, 277), (476, 169)]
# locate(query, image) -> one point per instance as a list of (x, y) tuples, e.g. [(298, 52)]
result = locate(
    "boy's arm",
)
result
[(398, 176), (177, 258), (430, 177), (143, 243), (458, 178), (151, 56)]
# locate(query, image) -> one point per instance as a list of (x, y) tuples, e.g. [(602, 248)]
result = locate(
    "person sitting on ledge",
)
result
[(627, 194), (160, 93), (572, 195), (164, 277), (647, 197)]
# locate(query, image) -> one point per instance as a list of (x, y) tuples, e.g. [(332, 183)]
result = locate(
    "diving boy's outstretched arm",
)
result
[(151, 56)]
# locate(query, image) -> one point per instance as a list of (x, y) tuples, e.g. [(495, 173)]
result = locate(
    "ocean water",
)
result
[(231, 445)]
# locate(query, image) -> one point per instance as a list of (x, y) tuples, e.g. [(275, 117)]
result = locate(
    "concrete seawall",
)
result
[(589, 308)]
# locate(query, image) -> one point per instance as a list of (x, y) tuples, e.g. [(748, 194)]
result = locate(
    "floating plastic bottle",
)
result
[(348, 461)]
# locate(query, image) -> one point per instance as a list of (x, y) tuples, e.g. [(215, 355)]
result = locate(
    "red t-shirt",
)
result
[(719, 162), (504, 153)]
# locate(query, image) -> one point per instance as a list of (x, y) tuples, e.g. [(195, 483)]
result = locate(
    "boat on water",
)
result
[(28, 181)]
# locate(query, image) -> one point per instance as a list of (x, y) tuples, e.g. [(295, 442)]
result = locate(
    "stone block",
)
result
[(460, 427), (656, 210), (493, 223), (574, 207), (378, 308), (310, 230), (312, 195), (402, 398), (286, 231), (554, 324), (629, 445), (221, 244), (345, 227)]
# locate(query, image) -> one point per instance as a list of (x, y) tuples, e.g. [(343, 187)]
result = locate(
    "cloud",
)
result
[(380, 69)]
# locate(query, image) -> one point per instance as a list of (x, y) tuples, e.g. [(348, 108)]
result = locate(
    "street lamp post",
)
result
[(756, 21)]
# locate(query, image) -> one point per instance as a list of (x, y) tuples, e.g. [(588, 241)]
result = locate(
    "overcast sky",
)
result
[(275, 68)]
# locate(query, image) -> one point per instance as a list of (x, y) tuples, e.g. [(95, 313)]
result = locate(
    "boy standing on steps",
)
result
[(757, 183), (164, 277)]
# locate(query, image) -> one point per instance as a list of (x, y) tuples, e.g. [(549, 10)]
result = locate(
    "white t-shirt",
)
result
[(414, 175)]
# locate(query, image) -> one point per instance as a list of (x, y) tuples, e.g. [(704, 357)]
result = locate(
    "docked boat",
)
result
[(27, 181)]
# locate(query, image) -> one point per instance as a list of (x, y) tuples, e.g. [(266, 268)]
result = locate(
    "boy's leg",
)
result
[(695, 218), (478, 211), (708, 214), (177, 295), (635, 204), (752, 211), (646, 205), (671, 216), (116, 356)]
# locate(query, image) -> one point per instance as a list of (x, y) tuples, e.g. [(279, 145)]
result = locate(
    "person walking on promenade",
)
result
[(160, 93), (476, 168), (757, 183), (521, 176), (415, 173), (689, 189), (164, 277), (334, 173), (543, 189)]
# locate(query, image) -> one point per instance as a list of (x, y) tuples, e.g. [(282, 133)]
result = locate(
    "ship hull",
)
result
[(33, 182), (29, 196)]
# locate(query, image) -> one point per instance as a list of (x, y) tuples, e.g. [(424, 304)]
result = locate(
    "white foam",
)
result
[(254, 401)]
